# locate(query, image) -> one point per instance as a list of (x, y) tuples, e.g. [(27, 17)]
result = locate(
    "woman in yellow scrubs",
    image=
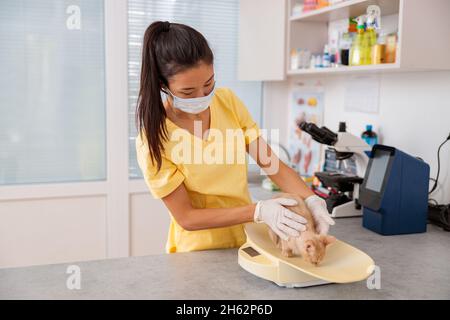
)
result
[(191, 148)]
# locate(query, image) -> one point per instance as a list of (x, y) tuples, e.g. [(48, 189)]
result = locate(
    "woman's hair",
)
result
[(168, 48)]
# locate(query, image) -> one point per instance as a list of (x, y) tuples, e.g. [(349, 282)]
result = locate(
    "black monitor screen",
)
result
[(378, 170)]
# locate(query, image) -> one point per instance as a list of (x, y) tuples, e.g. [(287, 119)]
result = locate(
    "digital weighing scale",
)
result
[(260, 256)]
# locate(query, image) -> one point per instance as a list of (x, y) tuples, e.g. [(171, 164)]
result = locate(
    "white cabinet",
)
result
[(423, 33), (269, 32), (262, 34)]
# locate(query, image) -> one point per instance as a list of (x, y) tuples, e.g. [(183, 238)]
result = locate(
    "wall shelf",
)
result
[(345, 9), (268, 33), (417, 41), (379, 68)]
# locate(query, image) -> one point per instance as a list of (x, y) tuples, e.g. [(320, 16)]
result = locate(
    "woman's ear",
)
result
[(164, 85), (163, 88)]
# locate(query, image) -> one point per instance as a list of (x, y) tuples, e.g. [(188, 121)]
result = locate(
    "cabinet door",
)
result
[(262, 29)]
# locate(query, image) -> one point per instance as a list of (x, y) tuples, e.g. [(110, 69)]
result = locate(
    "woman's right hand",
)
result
[(282, 221)]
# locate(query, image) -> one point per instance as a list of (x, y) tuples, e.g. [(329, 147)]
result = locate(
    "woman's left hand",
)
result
[(318, 208)]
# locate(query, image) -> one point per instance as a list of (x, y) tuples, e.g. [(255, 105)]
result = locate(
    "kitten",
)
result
[(310, 245)]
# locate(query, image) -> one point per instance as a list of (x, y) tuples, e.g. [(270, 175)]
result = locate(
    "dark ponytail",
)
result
[(168, 48)]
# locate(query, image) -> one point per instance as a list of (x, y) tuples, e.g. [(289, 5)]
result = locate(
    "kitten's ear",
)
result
[(326, 240), (309, 246)]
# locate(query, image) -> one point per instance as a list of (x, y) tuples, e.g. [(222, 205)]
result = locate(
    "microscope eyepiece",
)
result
[(322, 135)]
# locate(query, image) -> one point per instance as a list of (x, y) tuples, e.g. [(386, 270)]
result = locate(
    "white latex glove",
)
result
[(318, 208), (282, 221)]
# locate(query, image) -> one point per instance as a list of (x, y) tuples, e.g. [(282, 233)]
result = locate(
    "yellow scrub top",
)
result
[(213, 170)]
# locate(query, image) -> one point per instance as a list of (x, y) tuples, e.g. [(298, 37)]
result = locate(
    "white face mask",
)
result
[(193, 105)]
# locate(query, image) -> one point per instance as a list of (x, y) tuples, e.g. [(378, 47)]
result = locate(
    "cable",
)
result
[(439, 165), (439, 215), (434, 180)]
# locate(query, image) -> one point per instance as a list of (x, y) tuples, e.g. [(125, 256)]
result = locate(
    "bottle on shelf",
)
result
[(294, 59), (345, 44), (300, 56), (318, 62), (326, 60), (391, 48), (306, 58), (333, 49), (322, 4), (373, 19), (312, 63), (309, 5), (297, 9), (334, 57), (379, 50), (357, 51)]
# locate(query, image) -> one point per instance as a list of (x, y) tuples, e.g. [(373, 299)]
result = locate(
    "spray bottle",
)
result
[(357, 50), (373, 21)]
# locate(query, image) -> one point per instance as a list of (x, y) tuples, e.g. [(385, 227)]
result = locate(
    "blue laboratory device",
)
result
[(394, 194)]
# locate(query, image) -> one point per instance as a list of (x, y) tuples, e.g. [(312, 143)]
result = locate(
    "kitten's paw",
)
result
[(287, 253)]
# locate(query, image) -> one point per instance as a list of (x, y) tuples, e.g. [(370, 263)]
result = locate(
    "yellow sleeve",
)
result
[(160, 183), (246, 122)]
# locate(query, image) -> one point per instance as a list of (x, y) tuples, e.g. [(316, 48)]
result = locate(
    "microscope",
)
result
[(342, 200)]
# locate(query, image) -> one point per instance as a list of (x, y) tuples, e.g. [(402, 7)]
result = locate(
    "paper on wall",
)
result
[(362, 94)]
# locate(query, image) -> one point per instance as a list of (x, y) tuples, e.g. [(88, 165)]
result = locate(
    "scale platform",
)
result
[(260, 256)]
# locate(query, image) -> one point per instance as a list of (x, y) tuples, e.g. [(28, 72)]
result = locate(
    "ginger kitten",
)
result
[(310, 245)]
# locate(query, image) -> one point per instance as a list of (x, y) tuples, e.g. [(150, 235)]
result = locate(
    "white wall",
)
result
[(414, 115)]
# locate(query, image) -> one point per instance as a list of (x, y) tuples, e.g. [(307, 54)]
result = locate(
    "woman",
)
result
[(208, 200)]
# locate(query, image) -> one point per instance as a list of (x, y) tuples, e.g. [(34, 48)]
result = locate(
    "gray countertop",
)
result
[(412, 267)]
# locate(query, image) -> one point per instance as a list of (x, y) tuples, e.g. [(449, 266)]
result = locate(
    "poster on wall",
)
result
[(306, 104)]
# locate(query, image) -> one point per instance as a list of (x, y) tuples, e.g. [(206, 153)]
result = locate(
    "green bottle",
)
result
[(366, 46), (357, 52)]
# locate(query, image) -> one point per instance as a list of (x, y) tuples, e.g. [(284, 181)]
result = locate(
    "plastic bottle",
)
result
[(312, 63), (306, 59), (294, 59), (334, 57), (309, 5), (391, 48), (318, 61), (379, 50), (345, 44), (370, 36), (370, 136), (300, 58), (357, 50), (326, 61), (366, 49)]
